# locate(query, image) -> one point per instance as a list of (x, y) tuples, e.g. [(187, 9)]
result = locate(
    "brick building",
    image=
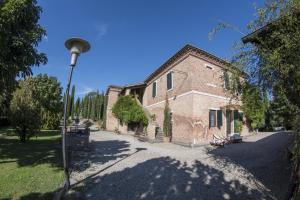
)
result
[(193, 81)]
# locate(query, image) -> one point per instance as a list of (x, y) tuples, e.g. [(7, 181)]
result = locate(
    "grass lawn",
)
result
[(31, 170)]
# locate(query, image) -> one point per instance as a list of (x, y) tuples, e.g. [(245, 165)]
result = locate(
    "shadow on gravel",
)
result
[(99, 152), (166, 178), (266, 159)]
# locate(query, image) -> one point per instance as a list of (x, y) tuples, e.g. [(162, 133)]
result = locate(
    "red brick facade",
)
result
[(198, 86)]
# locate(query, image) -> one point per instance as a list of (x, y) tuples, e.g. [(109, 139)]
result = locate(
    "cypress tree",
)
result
[(104, 111), (167, 119), (77, 107), (85, 106), (71, 103), (89, 107)]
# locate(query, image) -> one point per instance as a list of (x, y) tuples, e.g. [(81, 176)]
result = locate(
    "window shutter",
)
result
[(220, 120), (236, 115), (209, 117), (169, 81), (154, 89)]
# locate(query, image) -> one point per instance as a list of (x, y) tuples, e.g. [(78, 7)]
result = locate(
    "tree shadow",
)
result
[(266, 159), (99, 152), (31, 153), (37, 196), (167, 178)]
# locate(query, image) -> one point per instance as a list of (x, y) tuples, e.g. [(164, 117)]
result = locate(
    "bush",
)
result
[(25, 114), (238, 126), (50, 121), (127, 110)]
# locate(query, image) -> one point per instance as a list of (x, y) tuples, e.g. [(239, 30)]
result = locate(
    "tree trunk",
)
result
[(23, 135)]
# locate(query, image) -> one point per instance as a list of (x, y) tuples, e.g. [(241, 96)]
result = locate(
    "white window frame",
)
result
[(216, 117), (170, 72)]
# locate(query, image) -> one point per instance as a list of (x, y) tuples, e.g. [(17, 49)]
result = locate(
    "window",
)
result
[(154, 89), (220, 119), (169, 81), (226, 79), (209, 67), (215, 118), (212, 118)]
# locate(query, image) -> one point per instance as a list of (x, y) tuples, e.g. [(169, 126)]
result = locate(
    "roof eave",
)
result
[(186, 49)]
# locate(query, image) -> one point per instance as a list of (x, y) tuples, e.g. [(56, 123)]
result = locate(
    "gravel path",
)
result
[(121, 167)]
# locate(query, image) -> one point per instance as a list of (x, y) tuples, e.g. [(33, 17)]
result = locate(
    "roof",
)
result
[(113, 87), (135, 85), (132, 86), (186, 49), (252, 37)]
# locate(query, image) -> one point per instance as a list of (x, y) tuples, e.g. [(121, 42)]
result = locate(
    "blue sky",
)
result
[(130, 39)]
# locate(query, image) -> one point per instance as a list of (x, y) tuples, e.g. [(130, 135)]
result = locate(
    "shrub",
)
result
[(25, 114), (238, 126), (127, 110)]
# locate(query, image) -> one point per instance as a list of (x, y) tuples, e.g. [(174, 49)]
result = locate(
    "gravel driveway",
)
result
[(120, 167)]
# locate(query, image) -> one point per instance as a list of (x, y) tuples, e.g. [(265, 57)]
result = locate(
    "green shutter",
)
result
[(236, 115), (154, 89), (209, 118), (220, 119), (169, 81)]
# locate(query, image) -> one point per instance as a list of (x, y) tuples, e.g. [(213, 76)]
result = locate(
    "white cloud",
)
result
[(84, 90), (101, 30)]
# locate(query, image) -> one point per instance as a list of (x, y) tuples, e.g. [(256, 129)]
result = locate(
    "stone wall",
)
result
[(112, 123)]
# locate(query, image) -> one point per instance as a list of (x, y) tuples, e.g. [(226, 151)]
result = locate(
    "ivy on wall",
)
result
[(127, 110)]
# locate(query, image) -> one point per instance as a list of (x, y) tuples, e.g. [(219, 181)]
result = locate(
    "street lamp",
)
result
[(76, 46)]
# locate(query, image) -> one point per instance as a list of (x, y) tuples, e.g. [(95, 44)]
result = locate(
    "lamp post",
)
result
[(76, 46)]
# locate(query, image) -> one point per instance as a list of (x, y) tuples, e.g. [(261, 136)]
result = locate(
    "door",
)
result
[(228, 122)]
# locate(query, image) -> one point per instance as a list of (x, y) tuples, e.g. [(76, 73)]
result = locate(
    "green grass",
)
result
[(31, 170)]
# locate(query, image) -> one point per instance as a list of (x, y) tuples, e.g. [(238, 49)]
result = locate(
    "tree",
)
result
[(89, 107), (270, 55), (127, 110), (45, 94), (48, 93), (20, 34), (71, 103), (104, 109), (253, 106), (85, 108), (25, 113), (167, 119), (77, 107), (282, 111)]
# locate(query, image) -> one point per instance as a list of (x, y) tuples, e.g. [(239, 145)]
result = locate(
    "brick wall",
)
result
[(196, 89), (112, 123)]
